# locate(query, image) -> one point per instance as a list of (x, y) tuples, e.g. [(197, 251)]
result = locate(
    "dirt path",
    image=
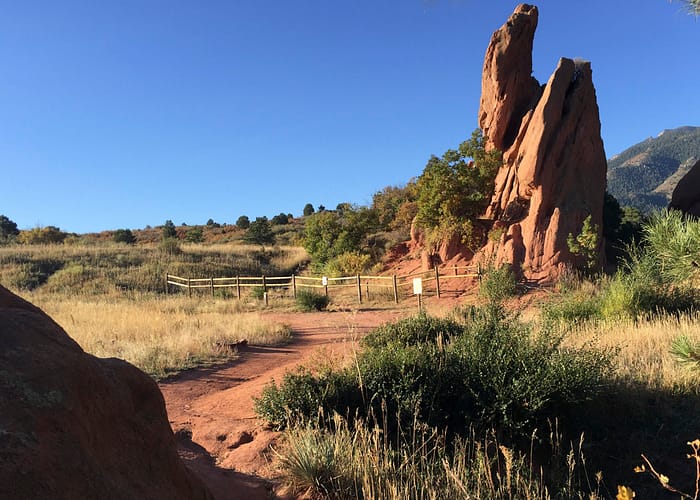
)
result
[(211, 409)]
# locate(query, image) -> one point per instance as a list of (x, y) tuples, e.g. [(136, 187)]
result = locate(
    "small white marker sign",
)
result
[(417, 286), (324, 281)]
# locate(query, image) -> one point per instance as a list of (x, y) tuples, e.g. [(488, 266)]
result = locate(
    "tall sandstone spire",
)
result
[(554, 171)]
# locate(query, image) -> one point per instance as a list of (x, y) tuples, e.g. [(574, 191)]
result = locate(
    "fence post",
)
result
[(294, 286), (189, 287), (437, 281), (396, 291), (264, 285), (359, 289), (478, 271), (167, 278), (211, 281), (455, 269), (238, 286)]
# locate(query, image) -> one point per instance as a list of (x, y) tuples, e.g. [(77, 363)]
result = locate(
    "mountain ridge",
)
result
[(645, 174)]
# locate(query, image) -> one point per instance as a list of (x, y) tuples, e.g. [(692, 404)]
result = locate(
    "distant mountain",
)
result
[(644, 175)]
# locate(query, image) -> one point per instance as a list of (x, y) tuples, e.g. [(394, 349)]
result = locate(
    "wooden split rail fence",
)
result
[(363, 287)]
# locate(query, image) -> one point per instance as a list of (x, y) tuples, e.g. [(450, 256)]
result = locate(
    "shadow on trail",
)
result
[(223, 483)]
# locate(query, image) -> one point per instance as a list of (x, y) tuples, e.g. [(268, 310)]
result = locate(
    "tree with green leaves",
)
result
[(243, 222), (260, 232), (169, 230), (455, 189), (124, 236), (308, 210), (585, 245), (8, 230), (280, 219)]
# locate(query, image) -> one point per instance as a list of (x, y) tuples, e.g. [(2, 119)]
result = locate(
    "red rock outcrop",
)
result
[(75, 426), (686, 194), (554, 171)]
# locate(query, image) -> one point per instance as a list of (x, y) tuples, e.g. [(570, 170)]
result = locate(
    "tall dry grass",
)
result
[(645, 349), (160, 335)]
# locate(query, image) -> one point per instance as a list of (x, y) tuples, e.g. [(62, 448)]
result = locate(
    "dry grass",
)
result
[(160, 335), (644, 349)]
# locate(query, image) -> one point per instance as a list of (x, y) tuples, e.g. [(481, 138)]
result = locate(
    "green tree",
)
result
[(585, 245), (124, 236), (169, 230), (308, 210), (329, 234), (260, 232), (396, 206), (243, 222), (194, 235), (8, 230), (321, 233), (280, 219), (454, 190)]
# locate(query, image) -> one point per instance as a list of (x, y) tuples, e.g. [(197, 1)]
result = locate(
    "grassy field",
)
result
[(161, 335), (110, 298)]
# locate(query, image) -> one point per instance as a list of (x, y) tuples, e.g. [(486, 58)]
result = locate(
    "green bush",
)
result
[(311, 301), (301, 394), (490, 371), (415, 330), (498, 284), (124, 236)]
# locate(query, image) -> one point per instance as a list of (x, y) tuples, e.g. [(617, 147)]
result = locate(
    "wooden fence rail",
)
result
[(393, 285)]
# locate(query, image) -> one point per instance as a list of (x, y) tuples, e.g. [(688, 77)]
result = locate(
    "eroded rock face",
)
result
[(554, 172), (686, 194), (75, 426)]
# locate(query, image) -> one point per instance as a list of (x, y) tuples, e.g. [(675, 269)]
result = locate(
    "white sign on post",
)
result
[(324, 281), (417, 286)]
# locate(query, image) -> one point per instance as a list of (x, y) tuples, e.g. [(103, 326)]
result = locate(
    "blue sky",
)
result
[(122, 114)]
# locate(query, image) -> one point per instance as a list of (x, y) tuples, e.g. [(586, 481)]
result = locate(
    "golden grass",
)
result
[(644, 349), (160, 335)]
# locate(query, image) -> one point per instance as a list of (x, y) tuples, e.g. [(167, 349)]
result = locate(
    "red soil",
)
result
[(211, 409)]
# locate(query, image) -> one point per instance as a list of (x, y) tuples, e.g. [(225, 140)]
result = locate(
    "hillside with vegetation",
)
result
[(644, 175)]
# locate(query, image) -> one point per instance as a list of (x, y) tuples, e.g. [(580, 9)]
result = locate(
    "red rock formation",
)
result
[(554, 171), (686, 194), (75, 426)]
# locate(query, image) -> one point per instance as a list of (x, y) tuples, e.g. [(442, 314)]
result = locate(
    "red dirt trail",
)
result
[(211, 409)]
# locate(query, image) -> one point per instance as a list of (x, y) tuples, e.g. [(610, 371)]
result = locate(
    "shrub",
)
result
[(498, 284), (170, 246), (415, 330), (243, 222), (348, 264), (311, 301), (42, 236), (124, 236), (489, 372), (301, 394), (8, 229), (194, 235), (259, 232), (308, 210), (585, 246), (169, 230)]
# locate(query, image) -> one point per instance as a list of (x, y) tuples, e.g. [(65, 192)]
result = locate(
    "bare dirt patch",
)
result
[(211, 409)]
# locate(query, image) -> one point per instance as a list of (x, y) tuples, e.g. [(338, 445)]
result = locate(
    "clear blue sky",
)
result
[(122, 114)]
